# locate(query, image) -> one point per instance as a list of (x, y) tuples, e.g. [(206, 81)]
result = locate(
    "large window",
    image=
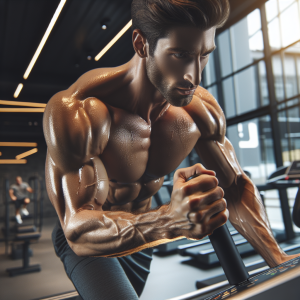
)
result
[(255, 75), (242, 72), (253, 143)]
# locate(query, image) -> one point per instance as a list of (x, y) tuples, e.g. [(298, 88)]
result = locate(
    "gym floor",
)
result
[(170, 275)]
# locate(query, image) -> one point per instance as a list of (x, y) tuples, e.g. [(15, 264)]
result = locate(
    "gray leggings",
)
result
[(104, 278)]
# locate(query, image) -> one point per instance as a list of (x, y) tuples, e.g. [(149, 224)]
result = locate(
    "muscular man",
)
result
[(18, 194), (116, 132)]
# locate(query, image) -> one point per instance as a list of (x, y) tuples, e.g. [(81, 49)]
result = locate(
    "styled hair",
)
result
[(155, 17)]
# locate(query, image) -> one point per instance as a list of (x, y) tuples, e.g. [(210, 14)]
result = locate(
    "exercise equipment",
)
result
[(20, 235), (276, 283), (282, 178), (270, 284)]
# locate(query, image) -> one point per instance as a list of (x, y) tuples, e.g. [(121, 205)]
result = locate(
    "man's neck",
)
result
[(146, 100)]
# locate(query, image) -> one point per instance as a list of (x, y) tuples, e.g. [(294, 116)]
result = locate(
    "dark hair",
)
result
[(155, 17)]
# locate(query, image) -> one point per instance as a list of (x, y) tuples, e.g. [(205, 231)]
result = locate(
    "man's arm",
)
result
[(76, 134), (246, 211), (29, 189), (11, 195)]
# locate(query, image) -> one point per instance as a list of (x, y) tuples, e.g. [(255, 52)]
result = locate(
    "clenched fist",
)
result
[(197, 206)]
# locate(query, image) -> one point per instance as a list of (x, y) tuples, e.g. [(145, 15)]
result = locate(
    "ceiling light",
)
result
[(27, 153), (17, 144), (107, 47), (44, 39), (27, 110), (18, 90), (104, 27), (13, 161), (16, 103)]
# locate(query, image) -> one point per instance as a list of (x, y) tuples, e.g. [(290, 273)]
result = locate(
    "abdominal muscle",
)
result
[(131, 197)]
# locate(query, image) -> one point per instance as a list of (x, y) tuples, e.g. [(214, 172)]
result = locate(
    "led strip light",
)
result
[(16, 103), (17, 144), (27, 153), (27, 110), (109, 45), (41, 45), (13, 161), (44, 39)]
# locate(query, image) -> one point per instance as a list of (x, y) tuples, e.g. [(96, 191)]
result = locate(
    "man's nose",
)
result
[(194, 74)]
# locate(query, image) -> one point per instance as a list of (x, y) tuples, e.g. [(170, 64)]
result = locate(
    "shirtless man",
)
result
[(115, 133)]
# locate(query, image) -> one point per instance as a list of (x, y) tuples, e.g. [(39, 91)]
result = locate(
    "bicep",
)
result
[(77, 190), (220, 157)]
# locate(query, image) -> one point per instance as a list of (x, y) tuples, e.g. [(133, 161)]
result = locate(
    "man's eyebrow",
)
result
[(210, 50), (186, 50), (178, 49)]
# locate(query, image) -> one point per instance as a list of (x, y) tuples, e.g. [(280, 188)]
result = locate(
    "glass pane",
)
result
[(274, 36), (289, 121), (292, 102), (263, 84), (253, 143), (249, 90), (209, 71), (253, 21), (223, 42), (298, 69), (256, 45), (289, 63), (273, 208), (278, 77), (284, 4), (242, 54), (214, 91), (271, 9), (229, 97), (290, 29)]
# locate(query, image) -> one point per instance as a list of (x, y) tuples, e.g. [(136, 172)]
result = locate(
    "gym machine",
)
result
[(264, 283), (24, 233)]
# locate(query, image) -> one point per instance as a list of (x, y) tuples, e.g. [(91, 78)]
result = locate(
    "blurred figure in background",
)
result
[(18, 193)]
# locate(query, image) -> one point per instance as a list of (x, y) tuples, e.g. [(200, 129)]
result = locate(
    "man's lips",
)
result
[(183, 91)]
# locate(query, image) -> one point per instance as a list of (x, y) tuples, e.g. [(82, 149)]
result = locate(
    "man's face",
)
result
[(179, 58), (18, 180)]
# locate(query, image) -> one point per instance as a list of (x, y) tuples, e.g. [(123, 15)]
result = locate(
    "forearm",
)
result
[(113, 234), (11, 195), (247, 214)]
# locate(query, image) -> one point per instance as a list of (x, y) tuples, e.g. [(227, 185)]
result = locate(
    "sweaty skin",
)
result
[(114, 135)]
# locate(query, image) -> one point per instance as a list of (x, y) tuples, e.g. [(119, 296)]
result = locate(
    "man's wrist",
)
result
[(164, 228)]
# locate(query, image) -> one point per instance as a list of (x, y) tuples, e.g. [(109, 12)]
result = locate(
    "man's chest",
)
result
[(137, 151)]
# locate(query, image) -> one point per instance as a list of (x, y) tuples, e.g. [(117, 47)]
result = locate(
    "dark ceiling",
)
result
[(76, 35)]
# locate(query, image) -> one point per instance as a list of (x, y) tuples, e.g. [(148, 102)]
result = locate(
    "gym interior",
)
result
[(254, 74)]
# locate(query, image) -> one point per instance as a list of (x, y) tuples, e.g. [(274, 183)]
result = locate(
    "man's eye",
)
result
[(180, 55), (205, 55)]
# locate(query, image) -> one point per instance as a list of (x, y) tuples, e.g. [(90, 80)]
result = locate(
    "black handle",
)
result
[(228, 255)]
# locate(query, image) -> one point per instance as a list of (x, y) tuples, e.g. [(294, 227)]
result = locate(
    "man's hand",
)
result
[(13, 198), (197, 205)]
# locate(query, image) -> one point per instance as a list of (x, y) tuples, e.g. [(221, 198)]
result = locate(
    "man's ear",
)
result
[(139, 43)]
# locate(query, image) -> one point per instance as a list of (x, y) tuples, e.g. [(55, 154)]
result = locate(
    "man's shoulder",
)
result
[(75, 127), (207, 99), (207, 114)]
